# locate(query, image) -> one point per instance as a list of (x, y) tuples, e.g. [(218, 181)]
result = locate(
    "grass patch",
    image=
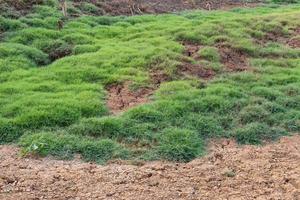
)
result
[(53, 82)]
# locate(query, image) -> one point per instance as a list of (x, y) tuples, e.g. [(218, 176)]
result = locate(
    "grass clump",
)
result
[(256, 133), (179, 145), (65, 146), (253, 113), (210, 53), (98, 127), (13, 49)]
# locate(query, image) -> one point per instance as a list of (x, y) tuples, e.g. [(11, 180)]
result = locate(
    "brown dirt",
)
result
[(198, 70), (227, 172), (121, 97), (20, 4), (293, 41), (191, 49), (187, 67), (158, 77), (136, 7), (233, 59), (132, 7)]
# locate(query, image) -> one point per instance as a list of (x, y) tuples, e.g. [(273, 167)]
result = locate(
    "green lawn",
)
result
[(52, 82)]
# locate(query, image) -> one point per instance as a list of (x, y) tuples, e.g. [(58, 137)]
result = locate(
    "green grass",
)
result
[(52, 82)]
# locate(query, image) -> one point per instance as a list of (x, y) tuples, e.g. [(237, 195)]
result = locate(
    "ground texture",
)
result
[(227, 172), (128, 7)]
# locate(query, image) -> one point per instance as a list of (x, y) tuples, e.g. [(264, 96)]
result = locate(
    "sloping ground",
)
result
[(19, 8), (227, 172), (133, 7)]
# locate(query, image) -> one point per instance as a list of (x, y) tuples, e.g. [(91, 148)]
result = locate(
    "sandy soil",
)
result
[(227, 172)]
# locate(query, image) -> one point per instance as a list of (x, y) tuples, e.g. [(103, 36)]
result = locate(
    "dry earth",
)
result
[(227, 172), (135, 7)]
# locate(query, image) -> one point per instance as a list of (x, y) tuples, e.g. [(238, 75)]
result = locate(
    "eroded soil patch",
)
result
[(292, 41), (158, 77), (189, 65), (134, 7), (130, 7), (122, 97), (227, 172), (234, 60), (197, 70)]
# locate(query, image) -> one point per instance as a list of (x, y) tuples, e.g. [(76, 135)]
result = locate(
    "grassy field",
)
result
[(54, 82)]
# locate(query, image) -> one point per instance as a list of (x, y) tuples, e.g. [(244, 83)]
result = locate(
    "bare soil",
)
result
[(227, 172), (158, 77), (292, 41), (136, 7), (133, 7), (188, 67), (234, 60), (122, 97)]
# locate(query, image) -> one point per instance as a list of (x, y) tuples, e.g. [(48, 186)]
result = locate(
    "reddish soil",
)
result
[(233, 59), (191, 49), (187, 67), (227, 172), (274, 37), (136, 7), (121, 97), (198, 70), (158, 77), (133, 7), (20, 4), (293, 41)]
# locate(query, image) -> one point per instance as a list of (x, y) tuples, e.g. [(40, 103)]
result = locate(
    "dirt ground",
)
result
[(227, 172), (137, 7), (132, 7), (121, 97)]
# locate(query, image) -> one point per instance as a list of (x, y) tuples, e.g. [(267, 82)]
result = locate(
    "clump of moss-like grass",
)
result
[(179, 145), (66, 145)]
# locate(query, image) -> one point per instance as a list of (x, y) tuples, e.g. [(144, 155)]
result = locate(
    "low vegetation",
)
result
[(54, 81)]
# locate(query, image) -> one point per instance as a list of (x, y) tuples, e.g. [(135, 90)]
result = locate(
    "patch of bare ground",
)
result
[(229, 171), (158, 76), (234, 60), (121, 97), (188, 67), (292, 41), (136, 7)]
